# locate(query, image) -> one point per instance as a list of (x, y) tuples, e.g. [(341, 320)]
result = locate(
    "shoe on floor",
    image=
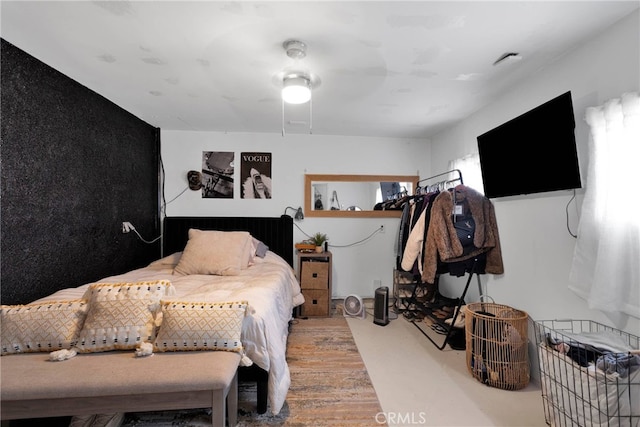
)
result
[(459, 320)]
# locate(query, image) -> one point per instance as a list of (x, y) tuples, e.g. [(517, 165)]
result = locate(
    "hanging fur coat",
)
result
[(442, 241)]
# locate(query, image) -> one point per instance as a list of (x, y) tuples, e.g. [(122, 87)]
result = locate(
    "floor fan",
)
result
[(354, 307)]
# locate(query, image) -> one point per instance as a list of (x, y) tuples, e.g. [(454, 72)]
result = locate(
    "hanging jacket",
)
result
[(442, 242), (403, 232), (413, 247), (411, 259)]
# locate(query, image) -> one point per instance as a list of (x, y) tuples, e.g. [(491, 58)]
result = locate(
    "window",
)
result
[(605, 269), (469, 165)]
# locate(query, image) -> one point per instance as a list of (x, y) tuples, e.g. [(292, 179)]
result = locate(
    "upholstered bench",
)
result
[(32, 386)]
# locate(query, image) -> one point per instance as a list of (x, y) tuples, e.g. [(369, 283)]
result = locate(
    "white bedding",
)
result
[(270, 287)]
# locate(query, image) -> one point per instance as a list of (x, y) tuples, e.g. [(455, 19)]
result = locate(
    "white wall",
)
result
[(536, 246), (354, 268)]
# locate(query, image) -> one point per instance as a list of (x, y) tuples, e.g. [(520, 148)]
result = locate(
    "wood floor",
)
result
[(329, 382)]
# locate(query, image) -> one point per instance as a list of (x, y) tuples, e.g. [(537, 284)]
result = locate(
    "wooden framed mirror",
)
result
[(354, 196)]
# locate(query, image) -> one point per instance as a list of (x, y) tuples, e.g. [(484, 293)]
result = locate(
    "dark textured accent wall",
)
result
[(74, 167)]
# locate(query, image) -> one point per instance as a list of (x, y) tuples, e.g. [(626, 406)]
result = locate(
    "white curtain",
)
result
[(469, 166), (606, 263)]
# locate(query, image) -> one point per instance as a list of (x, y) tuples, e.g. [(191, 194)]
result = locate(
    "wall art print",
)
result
[(255, 172), (217, 174)]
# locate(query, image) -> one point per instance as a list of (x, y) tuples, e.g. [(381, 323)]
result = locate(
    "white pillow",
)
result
[(201, 326), (122, 315), (47, 326), (223, 253)]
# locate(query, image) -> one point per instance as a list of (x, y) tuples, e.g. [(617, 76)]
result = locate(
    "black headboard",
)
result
[(277, 233)]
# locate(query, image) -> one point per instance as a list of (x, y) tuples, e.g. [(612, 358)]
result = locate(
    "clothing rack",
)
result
[(459, 178), (428, 310), (442, 185), (395, 196)]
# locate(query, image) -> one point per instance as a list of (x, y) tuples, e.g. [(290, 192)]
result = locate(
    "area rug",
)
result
[(330, 385)]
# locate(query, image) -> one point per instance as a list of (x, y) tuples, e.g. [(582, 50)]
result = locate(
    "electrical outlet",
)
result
[(377, 283), (382, 228)]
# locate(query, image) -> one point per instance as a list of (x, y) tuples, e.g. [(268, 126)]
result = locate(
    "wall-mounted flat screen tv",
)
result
[(532, 153)]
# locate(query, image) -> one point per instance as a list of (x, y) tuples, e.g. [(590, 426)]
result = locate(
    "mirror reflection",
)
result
[(356, 195)]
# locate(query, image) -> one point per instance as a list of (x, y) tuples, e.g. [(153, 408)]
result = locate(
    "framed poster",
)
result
[(255, 173), (217, 174)]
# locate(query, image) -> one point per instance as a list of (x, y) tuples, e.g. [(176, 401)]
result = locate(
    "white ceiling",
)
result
[(387, 68)]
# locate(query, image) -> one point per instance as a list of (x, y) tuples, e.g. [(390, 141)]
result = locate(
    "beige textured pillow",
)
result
[(122, 315), (47, 326), (223, 253), (201, 326)]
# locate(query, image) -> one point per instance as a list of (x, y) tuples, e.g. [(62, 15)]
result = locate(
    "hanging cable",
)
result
[(303, 232), (311, 114), (162, 186), (282, 116), (377, 230), (566, 209), (143, 239), (164, 206), (128, 227)]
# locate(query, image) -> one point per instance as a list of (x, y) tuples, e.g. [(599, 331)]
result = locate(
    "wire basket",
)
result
[(578, 389), (496, 343)]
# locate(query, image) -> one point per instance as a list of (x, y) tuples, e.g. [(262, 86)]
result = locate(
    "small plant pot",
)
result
[(319, 249)]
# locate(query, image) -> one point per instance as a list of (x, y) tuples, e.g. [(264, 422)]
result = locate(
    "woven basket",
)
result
[(496, 344)]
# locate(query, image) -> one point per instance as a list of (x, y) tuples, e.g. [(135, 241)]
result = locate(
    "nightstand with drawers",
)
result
[(314, 270)]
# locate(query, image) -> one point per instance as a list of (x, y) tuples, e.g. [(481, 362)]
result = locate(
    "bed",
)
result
[(267, 283)]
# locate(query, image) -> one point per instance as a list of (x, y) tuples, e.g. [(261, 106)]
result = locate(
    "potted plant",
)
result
[(319, 239)]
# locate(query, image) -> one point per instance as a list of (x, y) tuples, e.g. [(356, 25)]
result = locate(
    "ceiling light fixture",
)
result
[(295, 49), (296, 89), (296, 84)]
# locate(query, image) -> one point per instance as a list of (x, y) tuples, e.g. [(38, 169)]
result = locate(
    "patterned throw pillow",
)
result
[(122, 315), (201, 326), (47, 326)]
